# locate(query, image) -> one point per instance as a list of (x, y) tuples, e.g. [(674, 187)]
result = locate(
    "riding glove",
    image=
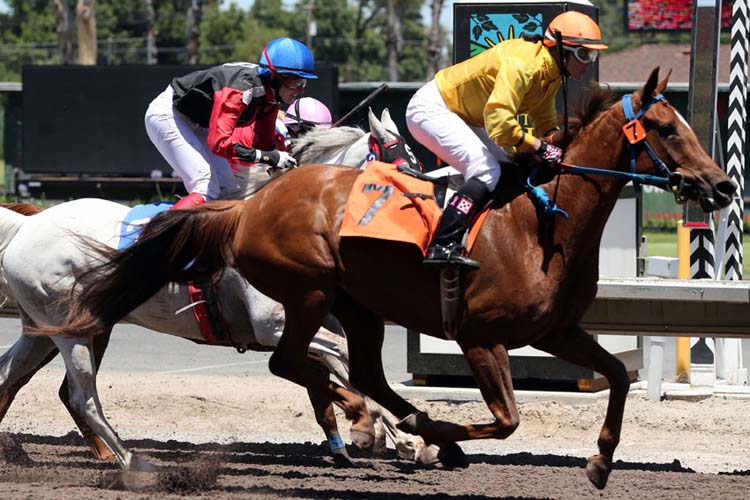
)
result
[(273, 158), (551, 154), (279, 159)]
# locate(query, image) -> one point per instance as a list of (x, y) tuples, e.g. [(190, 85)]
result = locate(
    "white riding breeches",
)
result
[(184, 145), (468, 149)]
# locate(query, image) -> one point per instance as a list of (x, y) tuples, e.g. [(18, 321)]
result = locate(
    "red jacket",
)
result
[(213, 98)]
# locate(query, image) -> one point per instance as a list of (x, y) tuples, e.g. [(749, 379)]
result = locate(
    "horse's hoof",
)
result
[(597, 470), (379, 448), (414, 422), (362, 440), (428, 455), (451, 455), (100, 450), (139, 463), (344, 461)]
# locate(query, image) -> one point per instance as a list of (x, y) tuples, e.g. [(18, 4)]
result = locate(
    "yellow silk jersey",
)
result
[(490, 89)]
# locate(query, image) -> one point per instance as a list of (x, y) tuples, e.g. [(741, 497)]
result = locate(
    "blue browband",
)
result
[(540, 197)]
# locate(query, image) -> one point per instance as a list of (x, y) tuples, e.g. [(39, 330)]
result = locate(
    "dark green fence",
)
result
[(395, 98)]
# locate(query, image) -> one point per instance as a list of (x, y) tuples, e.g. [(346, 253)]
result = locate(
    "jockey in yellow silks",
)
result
[(467, 114)]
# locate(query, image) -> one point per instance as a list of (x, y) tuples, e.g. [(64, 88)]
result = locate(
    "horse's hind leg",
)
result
[(322, 406), (84, 400), (365, 333), (19, 364), (371, 433), (97, 445), (331, 349), (577, 346), (291, 361)]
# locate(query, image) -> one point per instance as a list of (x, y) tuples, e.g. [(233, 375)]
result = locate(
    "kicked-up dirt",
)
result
[(255, 437)]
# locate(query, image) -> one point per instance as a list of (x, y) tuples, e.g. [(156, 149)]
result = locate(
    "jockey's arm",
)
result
[(544, 120), (228, 106), (507, 98), (272, 154)]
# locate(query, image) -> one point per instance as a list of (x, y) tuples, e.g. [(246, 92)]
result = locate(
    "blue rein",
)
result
[(540, 197)]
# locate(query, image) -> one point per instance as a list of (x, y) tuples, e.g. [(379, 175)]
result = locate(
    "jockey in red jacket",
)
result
[(209, 120)]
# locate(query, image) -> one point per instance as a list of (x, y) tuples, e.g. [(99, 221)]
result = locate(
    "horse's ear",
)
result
[(388, 122), (376, 127), (663, 83), (650, 87)]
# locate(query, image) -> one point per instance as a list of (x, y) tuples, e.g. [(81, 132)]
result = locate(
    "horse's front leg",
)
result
[(577, 346), (491, 369)]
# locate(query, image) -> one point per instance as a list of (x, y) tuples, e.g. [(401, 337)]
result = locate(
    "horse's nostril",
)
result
[(726, 188)]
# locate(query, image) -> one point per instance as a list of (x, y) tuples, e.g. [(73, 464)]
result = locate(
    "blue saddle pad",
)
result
[(136, 218)]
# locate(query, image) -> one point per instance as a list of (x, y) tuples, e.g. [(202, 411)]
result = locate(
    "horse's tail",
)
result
[(175, 246)]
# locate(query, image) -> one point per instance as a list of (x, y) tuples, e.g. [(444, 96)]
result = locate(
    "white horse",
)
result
[(41, 257)]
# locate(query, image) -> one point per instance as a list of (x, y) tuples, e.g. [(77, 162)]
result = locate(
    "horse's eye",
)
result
[(667, 130)]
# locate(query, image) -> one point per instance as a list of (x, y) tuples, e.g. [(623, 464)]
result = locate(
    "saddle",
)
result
[(202, 297), (399, 203)]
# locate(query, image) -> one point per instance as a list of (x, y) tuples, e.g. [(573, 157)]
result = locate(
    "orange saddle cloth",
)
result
[(389, 205)]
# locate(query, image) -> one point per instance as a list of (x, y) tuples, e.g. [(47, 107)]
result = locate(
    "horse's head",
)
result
[(386, 144), (693, 174)]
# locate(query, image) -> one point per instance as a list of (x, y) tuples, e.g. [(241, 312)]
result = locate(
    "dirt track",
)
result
[(259, 440)]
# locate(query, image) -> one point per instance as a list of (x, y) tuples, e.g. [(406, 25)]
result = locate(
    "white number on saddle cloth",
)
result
[(385, 193)]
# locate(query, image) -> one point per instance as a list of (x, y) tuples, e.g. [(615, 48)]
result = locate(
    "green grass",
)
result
[(664, 244)]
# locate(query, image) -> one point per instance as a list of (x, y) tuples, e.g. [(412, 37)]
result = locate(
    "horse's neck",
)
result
[(356, 154), (589, 200), (342, 146)]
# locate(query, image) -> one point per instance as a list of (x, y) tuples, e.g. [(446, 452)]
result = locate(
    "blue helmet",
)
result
[(286, 56)]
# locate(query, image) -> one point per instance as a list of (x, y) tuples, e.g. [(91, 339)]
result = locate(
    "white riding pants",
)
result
[(184, 145), (468, 149)]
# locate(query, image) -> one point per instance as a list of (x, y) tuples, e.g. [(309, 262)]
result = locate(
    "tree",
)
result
[(151, 49), (413, 56), (193, 31), (64, 29), (86, 26), (394, 39), (434, 39)]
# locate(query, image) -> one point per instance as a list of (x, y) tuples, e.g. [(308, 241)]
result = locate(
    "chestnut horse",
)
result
[(538, 273), (40, 258)]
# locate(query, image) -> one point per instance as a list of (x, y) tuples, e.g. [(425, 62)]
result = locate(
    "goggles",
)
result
[(294, 83), (298, 128), (583, 54)]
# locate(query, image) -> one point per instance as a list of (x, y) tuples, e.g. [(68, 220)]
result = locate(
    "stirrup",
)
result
[(453, 254)]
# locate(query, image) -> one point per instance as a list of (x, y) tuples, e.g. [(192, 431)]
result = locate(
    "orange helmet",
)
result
[(577, 29)]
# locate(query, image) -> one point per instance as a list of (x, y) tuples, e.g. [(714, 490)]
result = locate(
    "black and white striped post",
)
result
[(729, 365), (736, 140)]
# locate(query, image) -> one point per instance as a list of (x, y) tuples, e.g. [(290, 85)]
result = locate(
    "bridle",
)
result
[(636, 135), (396, 151), (637, 142)]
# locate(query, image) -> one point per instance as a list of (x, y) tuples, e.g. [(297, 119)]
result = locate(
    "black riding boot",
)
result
[(446, 247)]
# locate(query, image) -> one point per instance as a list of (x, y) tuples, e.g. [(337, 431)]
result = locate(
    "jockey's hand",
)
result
[(278, 159), (551, 154)]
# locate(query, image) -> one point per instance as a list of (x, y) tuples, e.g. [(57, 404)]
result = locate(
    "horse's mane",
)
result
[(594, 102), (321, 142), (592, 105), (599, 101)]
